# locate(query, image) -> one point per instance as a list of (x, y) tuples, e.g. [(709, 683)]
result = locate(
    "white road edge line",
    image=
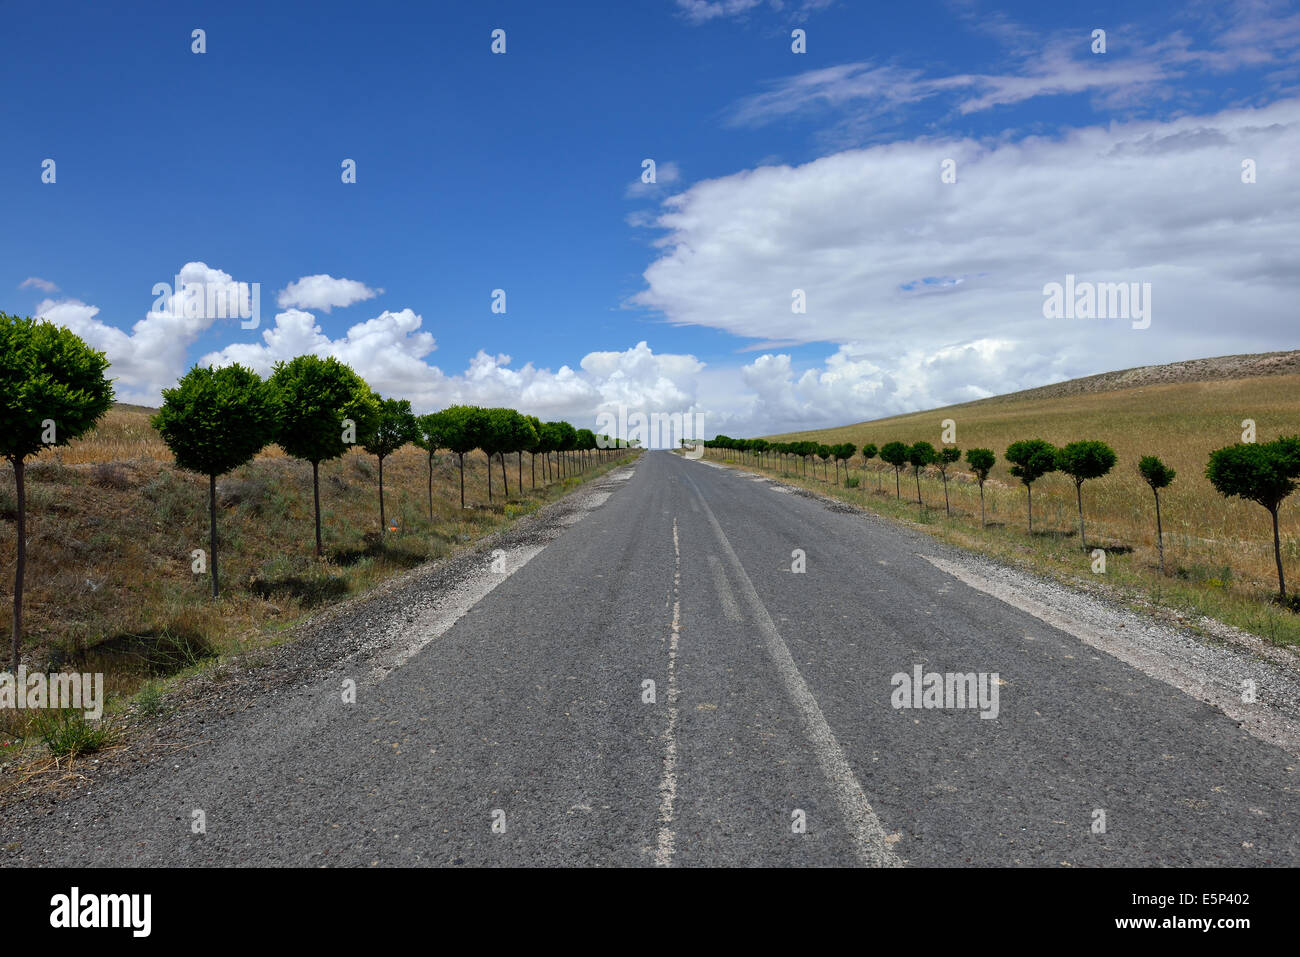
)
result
[(869, 837), (668, 784), (1206, 687)]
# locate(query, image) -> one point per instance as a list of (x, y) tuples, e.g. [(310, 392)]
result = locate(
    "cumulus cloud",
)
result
[(902, 269), (36, 282), (153, 354), (324, 292)]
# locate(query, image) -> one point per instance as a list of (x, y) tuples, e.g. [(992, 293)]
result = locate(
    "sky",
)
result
[(867, 227)]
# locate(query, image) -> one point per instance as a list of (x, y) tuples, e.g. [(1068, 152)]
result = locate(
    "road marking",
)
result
[(869, 837), (725, 596), (668, 784), (1189, 677)]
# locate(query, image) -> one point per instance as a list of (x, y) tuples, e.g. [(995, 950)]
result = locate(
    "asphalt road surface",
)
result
[(514, 724)]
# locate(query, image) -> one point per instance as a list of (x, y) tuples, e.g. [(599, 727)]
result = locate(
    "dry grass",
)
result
[(112, 523), (1218, 551)]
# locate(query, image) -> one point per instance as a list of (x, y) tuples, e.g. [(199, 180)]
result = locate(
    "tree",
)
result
[(586, 441), (1264, 473), (981, 463), (895, 454), (1158, 476), (459, 428), (536, 447), (1030, 460), (429, 437), (568, 436), (824, 453), (214, 421), (322, 409), (843, 452), (553, 439), (919, 456), (394, 426), (868, 453), (1082, 461), (52, 389), (946, 456)]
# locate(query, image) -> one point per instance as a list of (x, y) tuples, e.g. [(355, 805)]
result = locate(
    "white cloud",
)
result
[(324, 292), (153, 354), (904, 269), (666, 173), (36, 282)]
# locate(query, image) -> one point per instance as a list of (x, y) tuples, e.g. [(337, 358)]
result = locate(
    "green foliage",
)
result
[(47, 372), (1085, 460), (981, 463), (1265, 472), (215, 420), (1155, 473), (460, 427), (869, 451), (67, 733), (920, 455), (312, 398), (948, 455), (394, 426), (1031, 459), (894, 453)]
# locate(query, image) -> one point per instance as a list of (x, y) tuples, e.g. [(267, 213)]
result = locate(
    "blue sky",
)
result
[(777, 171)]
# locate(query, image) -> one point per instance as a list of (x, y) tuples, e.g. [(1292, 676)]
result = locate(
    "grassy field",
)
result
[(112, 523), (1218, 551)]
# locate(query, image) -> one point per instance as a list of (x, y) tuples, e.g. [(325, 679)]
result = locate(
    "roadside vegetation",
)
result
[(1167, 480)]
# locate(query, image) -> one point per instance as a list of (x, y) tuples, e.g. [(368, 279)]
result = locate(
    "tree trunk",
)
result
[(982, 522), (383, 525), (1078, 491), (945, 495), (898, 483), (918, 486), (315, 494), (212, 529), (1160, 538), (1030, 490), (505, 479), (22, 560), (1277, 553)]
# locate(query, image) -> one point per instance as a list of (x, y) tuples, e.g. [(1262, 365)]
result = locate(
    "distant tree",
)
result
[(895, 454), (868, 453), (394, 426), (981, 463), (52, 389), (553, 440), (568, 442), (1158, 476), (525, 439), (1264, 473), (586, 441), (459, 430), (214, 421), (1030, 460), (429, 438), (1082, 461), (824, 453), (843, 452), (948, 455), (535, 448), (919, 456)]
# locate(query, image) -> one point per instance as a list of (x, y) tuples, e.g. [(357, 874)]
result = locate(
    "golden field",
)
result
[(1218, 551)]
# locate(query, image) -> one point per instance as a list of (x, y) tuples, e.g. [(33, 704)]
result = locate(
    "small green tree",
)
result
[(214, 421), (322, 409), (981, 463), (895, 454), (868, 453), (536, 447), (843, 452), (429, 438), (1158, 476), (394, 426), (919, 456), (1082, 461), (1264, 473), (460, 427), (52, 389), (1030, 460), (948, 455)]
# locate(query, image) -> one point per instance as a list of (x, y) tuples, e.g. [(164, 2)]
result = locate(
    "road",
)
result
[(515, 726)]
